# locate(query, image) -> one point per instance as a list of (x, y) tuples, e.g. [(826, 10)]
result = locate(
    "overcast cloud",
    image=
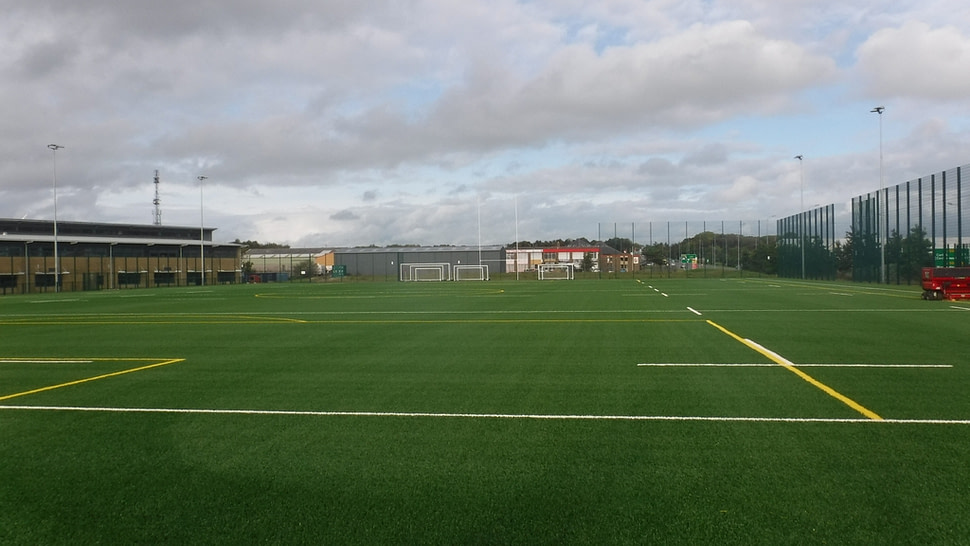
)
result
[(440, 122)]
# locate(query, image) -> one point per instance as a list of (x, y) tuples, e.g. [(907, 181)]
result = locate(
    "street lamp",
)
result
[(202, 227), (801, 206), (57, 265), (879, 217)]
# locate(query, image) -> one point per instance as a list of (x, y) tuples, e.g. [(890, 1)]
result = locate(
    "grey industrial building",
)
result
[(386, 261)]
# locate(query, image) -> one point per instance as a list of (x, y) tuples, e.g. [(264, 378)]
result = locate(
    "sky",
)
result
[(353, 122)]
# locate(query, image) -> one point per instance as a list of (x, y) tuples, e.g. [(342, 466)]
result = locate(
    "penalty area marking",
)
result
[(550, 417), (157, 362)]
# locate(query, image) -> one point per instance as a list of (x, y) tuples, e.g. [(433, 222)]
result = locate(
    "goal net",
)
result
[(471, 273), (426, 272), (556, 271)]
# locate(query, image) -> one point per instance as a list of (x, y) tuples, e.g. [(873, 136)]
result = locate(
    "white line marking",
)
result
[(873, 365), (960, 308), (929, 309), (771, 354), (771, 365), (490, 415), (699, 365), (664, 295), (695, 311), (342, 313)]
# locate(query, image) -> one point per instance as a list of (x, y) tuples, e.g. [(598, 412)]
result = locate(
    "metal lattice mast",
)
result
[(157, 202)]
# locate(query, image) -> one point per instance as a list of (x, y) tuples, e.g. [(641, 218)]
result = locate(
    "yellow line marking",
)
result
[(138, 323), (151, 319), (497, 321), (281, 320), (43, 361), (95, 378), (271, 319), (86, 359), (790, 366), (242, 321)]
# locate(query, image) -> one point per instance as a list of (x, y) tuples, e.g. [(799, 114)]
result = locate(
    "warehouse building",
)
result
[(41, 256), (388, 263)]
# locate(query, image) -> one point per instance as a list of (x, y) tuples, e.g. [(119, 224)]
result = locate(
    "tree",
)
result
[(843, 258), (820, 262), (866, 259), (894, 254), (306, 268), (762, 258), (657, 253), (622, 244), (249, 245), (916, 253)]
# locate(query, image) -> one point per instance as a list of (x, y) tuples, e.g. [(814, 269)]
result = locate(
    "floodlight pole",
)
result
[(516, 205), (57, 265), (202, 227), (882, 235), (478, 202), (801, 208)]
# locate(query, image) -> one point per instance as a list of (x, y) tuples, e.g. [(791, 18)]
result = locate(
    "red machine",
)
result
[(951, 283)]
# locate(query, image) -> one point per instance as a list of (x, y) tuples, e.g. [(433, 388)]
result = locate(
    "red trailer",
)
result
[(951, 283)]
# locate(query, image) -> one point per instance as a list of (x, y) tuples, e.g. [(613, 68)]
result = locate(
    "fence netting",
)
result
[(885, 236)]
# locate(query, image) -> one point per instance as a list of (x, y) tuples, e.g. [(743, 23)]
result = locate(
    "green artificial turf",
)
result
[(484, 412)]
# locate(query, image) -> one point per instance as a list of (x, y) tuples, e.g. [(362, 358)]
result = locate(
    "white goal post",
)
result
[(556, 271), (471, 273), (426, 272)]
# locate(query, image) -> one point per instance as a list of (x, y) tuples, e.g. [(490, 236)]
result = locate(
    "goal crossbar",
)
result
[(470, 273), (426, 271), (556, 272)]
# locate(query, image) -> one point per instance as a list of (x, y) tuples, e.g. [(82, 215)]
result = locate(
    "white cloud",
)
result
[(917, 61), (703, 75), (348, 122)]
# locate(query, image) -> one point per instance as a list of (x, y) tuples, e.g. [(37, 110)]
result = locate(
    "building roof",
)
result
[(416, 249), (19, 229), (263, 253), (548, 250), (602, 249), (71, 239)]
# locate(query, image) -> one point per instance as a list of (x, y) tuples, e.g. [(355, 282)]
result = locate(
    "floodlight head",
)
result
[(877, 110), (798, 157), (55, 147)]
